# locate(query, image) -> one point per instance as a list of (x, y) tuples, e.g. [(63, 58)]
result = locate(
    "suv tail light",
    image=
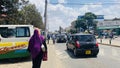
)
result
[(78, 44), (97, 44)]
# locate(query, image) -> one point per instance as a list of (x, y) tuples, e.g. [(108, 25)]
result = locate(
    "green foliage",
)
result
[(80, 24), (72, 31), (20, 12), (86, 22), (10, 10), (30, 15), (89, 17), (1, 7)]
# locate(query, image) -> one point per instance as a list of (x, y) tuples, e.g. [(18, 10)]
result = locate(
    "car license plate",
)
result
[(88, 52)]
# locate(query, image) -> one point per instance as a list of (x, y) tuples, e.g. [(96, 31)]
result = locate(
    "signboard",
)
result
[(99, 17)]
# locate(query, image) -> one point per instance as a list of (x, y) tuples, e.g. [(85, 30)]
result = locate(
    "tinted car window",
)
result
[(5, 32), (61, 36), (85, 38)]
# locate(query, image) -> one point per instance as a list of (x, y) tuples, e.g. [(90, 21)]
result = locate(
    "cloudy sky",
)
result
[(63, 12)]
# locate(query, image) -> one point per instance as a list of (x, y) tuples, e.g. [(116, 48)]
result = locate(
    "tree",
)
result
[(86, 22), (1, 7), (89, 17), (30, 15), (10, 9), (80, 24), (72, 31), (20, 12)]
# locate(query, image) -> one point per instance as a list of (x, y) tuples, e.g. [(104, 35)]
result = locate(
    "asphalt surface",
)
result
[(59, 57), (108, 57)]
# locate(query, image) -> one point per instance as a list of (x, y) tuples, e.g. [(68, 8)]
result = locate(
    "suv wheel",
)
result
[(68, 49)]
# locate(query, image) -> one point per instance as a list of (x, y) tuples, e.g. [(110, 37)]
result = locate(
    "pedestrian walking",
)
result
[(53, 38), (48, 38), (35, 48), (111, 35)]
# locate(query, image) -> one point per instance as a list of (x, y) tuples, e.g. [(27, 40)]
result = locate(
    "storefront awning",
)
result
[(108, 27)]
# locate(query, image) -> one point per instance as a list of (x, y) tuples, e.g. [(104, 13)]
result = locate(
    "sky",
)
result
[(62, 13)]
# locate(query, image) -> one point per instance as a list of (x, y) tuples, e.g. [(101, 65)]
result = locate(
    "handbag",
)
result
[(45, 56), (43, 48)]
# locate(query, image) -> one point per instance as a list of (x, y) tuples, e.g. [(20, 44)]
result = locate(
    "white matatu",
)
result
[(14, 40)]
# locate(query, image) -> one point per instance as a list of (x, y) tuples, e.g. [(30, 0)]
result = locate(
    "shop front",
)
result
[(107, 30)]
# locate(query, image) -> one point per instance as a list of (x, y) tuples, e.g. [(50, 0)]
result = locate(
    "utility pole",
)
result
[(45, 18)]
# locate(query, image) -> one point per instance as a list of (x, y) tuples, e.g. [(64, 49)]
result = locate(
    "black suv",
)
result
[(61, 38), (83, 44)]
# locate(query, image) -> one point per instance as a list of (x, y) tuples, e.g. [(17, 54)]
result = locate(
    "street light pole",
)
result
[(45, 18)]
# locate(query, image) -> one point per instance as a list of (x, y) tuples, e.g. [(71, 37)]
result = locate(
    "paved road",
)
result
[(53, 61), (108, 57)]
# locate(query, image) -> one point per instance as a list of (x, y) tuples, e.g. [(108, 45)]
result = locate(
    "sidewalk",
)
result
[(53, 61), (114, 42)]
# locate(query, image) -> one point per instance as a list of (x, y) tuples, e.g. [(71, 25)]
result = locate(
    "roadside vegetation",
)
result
[(20, 12), (85, 23)]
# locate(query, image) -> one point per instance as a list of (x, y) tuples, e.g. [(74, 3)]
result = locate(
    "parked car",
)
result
[(83, 44), (61, 38)]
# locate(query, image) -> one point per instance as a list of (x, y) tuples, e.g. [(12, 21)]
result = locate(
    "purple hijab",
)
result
[(35, 43)]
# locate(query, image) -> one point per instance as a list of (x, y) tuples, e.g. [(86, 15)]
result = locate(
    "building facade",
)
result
[(109, 25)]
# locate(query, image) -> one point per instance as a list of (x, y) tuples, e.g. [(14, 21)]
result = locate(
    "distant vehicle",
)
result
[(61, 38), (14, 40), (83, 44)]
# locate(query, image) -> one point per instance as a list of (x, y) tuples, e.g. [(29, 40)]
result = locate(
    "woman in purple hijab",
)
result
[(34, 48)]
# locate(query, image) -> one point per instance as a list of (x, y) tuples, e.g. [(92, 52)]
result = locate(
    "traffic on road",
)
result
[(59, 34), (108, 57), (60, 57)]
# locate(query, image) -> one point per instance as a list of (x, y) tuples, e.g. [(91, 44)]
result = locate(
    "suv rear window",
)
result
[(86, 38)]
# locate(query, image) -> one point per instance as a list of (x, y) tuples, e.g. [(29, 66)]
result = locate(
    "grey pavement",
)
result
[(53, 61), (111, 42)]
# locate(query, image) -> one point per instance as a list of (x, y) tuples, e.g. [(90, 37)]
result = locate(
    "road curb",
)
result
[(109, 45)]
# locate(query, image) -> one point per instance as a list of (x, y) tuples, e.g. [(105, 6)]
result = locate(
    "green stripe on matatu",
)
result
[(15, 54)]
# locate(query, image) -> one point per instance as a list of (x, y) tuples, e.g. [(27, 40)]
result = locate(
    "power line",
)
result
[(109, 3)]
